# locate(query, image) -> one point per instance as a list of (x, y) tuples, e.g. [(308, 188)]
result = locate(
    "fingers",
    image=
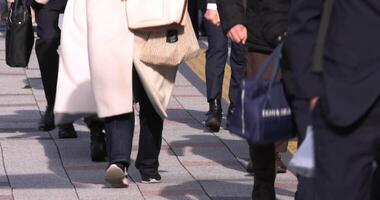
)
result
[(238, 34), (213, 17)]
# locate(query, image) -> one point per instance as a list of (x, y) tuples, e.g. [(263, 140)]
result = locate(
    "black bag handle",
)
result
[(317, 64)]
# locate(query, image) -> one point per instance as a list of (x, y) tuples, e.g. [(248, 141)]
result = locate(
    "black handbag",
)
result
[(262, 114), (20, 35)]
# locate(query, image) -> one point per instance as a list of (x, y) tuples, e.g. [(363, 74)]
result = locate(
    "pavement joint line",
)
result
[(5, 170), (18, 94), (179, 160), (55, 144), (17, 105)]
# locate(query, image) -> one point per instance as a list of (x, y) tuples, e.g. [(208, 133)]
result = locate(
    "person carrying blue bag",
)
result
[(261, 25)]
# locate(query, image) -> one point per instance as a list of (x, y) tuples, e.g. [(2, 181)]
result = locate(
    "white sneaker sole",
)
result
[(151, 181), (116, 177)]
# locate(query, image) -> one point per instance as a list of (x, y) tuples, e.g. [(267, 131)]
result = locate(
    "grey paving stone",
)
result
[(35, 170), (229, 189)]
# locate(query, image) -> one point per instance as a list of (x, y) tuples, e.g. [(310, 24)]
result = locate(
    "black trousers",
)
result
[(119, 133), (193, 13), (216, 58), (263, 162), (46, 49), (345, 157)]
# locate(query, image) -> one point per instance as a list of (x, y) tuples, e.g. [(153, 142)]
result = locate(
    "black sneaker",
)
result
[(151, 177), (117, 175)]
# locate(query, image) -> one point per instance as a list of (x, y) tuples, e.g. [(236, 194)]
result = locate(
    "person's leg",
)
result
[(216, 57), (238, 66), (119, 135), (151, 127), (263, 162), (281, 147), (262, 156), (48, 60), (344, 159), (375, 185), (302, 117), (98, 143), (47, 56)]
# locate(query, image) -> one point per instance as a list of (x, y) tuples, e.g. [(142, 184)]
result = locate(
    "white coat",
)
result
[(97, 54)]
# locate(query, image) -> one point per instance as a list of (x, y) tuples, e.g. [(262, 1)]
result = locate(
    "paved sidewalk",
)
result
[(195, 164)]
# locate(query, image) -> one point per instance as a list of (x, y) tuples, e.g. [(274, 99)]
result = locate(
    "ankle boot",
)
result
[(214, 115), (46, 122)]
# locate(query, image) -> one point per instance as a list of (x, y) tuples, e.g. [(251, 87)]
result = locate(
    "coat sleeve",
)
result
[(299, 48), (231, 13)]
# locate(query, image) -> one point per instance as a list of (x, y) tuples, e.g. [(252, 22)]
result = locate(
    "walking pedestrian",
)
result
[(49, 33), (342, 92), (216, 58), (119, 78), (261, 25)]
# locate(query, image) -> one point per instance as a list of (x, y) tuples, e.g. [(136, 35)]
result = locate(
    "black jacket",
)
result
[(58, 5), (350, 82), (265, 20)]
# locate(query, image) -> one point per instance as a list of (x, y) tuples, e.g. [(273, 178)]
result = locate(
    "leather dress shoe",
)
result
[(98, 144), (214, 115), (46, 122), (67, 131)]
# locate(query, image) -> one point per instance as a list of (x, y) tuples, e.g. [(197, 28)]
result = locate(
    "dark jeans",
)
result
[(216, 58), (119, 133), (46, 50), (345, 156)]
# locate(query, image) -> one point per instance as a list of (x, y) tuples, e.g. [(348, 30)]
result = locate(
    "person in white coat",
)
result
[(110, 79)]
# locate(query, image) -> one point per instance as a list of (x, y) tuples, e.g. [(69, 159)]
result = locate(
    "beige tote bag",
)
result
[(157, 51)]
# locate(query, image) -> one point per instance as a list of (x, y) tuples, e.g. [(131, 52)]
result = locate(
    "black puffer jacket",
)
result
[(265, 20)]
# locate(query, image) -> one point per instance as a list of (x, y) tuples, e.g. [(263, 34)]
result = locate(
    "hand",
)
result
[(238, 34), (313, 102), (213, 17)]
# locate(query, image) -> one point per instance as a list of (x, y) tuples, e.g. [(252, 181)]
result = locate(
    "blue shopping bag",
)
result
[(262, 113)]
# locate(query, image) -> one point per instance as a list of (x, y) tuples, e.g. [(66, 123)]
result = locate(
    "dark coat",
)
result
[(350, 82), (58, 5), (265, 20)]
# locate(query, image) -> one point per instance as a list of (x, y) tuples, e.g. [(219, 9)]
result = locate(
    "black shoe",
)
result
[(214, 115), (47, 121), (231, 110), (67, 131), (117, 175), (250, 167), (149, 178), (98, 144)]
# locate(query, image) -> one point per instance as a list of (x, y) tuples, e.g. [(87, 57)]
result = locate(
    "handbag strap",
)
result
[(272, 59), (276, 66), (317, 65)]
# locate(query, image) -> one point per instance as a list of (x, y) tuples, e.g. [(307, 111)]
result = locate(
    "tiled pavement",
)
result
[(195, 164)]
